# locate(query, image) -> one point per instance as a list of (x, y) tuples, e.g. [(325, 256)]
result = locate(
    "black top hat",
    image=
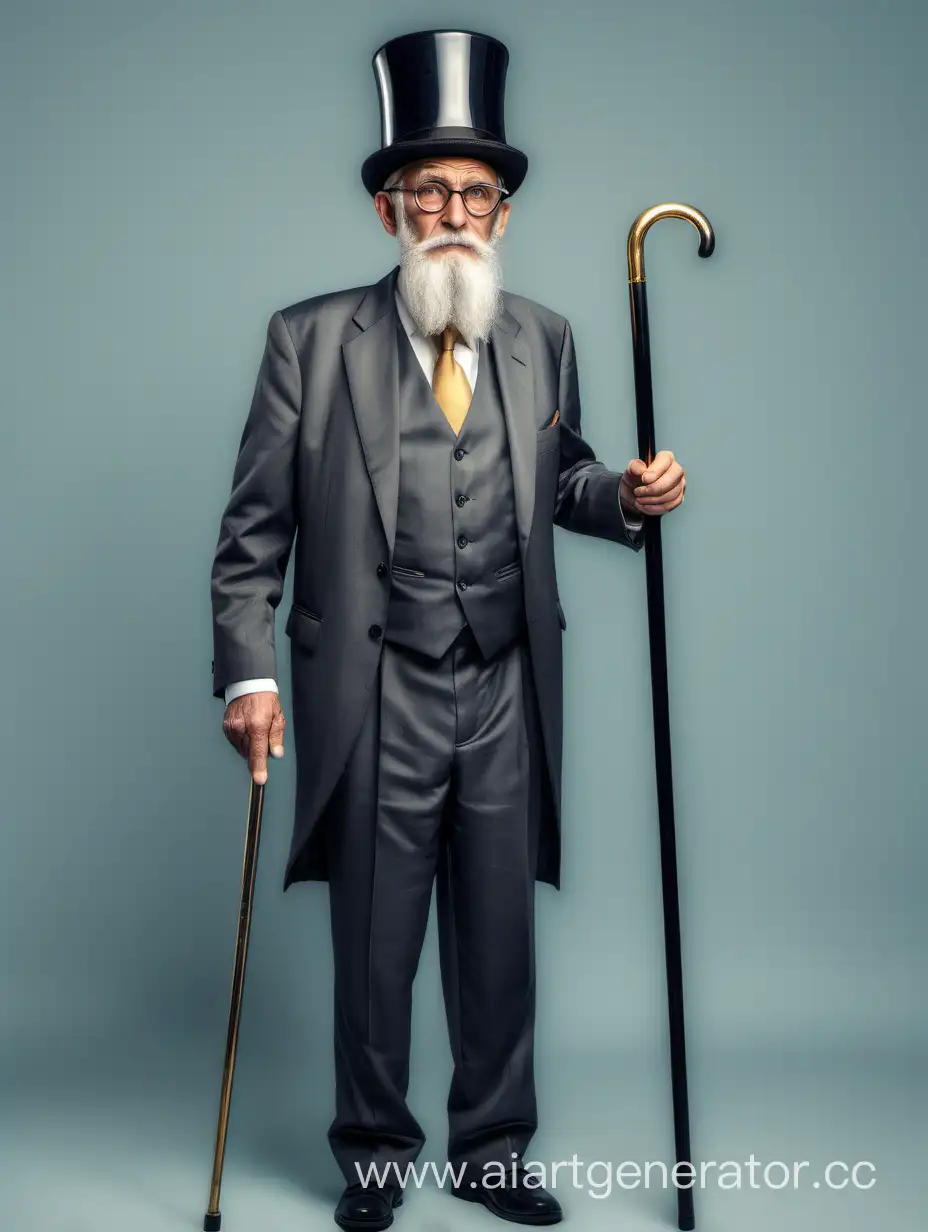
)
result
[(441, 93)]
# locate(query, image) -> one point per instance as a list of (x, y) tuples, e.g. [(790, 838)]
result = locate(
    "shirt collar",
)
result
[(410, 326)]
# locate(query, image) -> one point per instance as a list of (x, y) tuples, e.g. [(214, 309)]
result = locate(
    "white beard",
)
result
[(452, 289)]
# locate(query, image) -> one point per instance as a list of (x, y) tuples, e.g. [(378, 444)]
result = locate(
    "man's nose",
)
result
[(454, 213)]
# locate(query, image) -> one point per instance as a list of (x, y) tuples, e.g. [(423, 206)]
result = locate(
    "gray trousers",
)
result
[(442, 783)]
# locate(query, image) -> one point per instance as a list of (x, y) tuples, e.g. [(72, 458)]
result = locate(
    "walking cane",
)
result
[(686, 1218), (212, 1220)]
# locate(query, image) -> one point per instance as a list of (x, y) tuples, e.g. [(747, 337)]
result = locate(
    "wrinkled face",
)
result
[(450, 272), (454, 217)]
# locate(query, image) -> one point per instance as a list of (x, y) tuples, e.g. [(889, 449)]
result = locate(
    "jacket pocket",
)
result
[(303, 626), (548, 437), (507, 570)]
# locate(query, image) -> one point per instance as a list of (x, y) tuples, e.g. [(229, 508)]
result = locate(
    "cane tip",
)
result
[(212, 1223), (686, 1223)]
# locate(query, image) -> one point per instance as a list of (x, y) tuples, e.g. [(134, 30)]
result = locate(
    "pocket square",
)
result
[(553, 421)]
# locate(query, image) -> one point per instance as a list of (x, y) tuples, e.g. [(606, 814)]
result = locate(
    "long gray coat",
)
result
[(318, 462)]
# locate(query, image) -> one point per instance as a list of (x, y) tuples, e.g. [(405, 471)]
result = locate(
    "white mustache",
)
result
[(461, 238)]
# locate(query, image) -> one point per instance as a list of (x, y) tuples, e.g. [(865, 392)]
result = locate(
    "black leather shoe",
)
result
[(367, 1207), (524, 1202)]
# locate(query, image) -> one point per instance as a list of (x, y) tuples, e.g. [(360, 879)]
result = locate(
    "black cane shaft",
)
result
[(212, 1220), (641, 356), (668, 855), (660, 698)]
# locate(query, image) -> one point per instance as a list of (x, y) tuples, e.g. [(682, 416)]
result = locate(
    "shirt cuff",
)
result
[(632, 524), (258, 685)]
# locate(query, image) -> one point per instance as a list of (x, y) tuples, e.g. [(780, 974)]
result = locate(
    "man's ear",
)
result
[(384, 205), (504, 209)]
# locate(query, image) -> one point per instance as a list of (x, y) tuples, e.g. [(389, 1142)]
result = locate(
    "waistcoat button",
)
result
[(462, 541), (375, 631), (381, 570), (461, 500), (462, 585), (459, 454)]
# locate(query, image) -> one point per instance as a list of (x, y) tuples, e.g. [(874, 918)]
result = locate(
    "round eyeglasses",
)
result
[(433, 195)]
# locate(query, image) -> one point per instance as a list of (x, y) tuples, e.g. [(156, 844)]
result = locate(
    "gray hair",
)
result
[(395, 180)]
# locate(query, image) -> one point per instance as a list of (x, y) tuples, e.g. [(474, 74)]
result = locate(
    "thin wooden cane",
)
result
[(212, 1220), (654, 570)]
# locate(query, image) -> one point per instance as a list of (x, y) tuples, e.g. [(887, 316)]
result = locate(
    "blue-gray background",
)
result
[(174, 172)]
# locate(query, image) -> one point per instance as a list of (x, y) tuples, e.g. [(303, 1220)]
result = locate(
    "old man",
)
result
[(417, 440)]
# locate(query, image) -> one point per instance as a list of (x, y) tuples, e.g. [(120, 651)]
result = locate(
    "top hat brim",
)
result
[(511, 163)]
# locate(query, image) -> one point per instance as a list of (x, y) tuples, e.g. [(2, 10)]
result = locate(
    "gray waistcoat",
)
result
[(456, 554)]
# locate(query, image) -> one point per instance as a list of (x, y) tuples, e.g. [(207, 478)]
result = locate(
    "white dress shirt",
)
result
[(426, 353)]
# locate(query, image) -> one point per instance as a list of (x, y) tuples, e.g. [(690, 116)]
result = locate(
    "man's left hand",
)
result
[(655, 489)]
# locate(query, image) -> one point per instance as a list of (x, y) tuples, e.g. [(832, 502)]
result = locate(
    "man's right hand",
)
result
[(254, 724)]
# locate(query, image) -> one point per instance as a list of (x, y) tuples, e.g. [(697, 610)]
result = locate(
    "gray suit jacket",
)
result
[(318, 466)]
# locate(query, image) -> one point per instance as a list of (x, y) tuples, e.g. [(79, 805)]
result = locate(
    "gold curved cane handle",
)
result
[(646, 220)]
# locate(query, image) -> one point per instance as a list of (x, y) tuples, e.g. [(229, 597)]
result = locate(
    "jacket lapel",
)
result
[(513, 365), (373, 382)]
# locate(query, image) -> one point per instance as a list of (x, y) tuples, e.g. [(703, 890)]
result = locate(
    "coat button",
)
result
[(375, 631), (462, 541), (459, 454), (461, 500), (381, 570)]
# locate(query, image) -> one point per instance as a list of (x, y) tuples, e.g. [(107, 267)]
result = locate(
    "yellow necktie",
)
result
[(449, 382)]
